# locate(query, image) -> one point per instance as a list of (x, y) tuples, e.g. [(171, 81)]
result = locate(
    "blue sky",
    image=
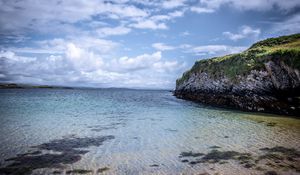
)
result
[(134, 44)]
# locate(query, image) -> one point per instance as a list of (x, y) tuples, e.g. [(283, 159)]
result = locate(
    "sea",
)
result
[(127, 131)]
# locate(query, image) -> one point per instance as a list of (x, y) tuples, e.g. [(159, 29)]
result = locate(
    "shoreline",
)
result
[(223, 104)]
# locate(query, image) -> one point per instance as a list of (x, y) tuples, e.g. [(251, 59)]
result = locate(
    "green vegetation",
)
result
[(285, 48)]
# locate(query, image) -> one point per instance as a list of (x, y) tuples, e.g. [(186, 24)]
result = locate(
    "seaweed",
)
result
[(67, 149)]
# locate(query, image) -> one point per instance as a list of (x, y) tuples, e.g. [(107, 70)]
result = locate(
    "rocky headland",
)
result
[(263, 78)]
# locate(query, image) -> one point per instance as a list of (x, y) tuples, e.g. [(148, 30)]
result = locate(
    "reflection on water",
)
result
[(119, 131)]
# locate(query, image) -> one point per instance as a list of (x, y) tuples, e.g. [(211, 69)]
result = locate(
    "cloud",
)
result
[(82, 67), (217, 50), (149, 24), (256, 5), (21, 16), (162, 46), (185, 33), (86, 42), (157, 22), (169, 4), (245, 32), (176, 13), (136, 63), (202, 10), (288, 26), (108, 31)]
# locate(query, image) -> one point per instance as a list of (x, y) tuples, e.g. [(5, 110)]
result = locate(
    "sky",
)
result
[(129, 43)]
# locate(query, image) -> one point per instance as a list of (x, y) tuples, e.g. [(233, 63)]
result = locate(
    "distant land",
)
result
[(28, 86), (264, 78), (31, 86)]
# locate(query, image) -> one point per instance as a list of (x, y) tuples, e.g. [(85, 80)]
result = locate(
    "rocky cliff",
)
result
[(263, 78)]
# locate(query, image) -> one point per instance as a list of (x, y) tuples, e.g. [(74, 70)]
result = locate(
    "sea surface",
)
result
[(123, 131)]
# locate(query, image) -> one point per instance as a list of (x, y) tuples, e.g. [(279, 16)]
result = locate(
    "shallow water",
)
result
[(135, 132)]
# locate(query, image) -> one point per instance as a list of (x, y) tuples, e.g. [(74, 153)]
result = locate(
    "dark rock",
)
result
[(216, 155), (190, 154), (249, 165), (57, 172), (79, 171), (271, 124), (154, 165), (259, 79), (101, 170), (67, 147), (271, 173)]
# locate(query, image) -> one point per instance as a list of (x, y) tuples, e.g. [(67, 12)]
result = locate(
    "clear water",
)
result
[(150, 128)]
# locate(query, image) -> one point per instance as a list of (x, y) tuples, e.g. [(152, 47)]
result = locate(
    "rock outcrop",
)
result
[(264, 78)]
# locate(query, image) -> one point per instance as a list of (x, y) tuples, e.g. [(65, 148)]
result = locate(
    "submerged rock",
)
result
[(190, 154), (63, 151), (276, 158), (79, 171), (101, 170), (264, 78)]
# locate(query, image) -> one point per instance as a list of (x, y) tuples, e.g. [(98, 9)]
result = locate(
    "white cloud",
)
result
[(108, 31), (169, 4), (149, 24), (19, 16), (257, 5), (59, 45), (217, 50), (177, 13), (168, 66), (78, 66), (185, 33), (245, 32), (162, 46), (202, 10)]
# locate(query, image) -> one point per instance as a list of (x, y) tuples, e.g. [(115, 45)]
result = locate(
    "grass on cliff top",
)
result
[(285, 48)]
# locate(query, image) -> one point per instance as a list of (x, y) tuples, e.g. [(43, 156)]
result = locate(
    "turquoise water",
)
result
[(133, 132)]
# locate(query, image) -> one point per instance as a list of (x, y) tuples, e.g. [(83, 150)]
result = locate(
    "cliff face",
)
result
[(263, 78)]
